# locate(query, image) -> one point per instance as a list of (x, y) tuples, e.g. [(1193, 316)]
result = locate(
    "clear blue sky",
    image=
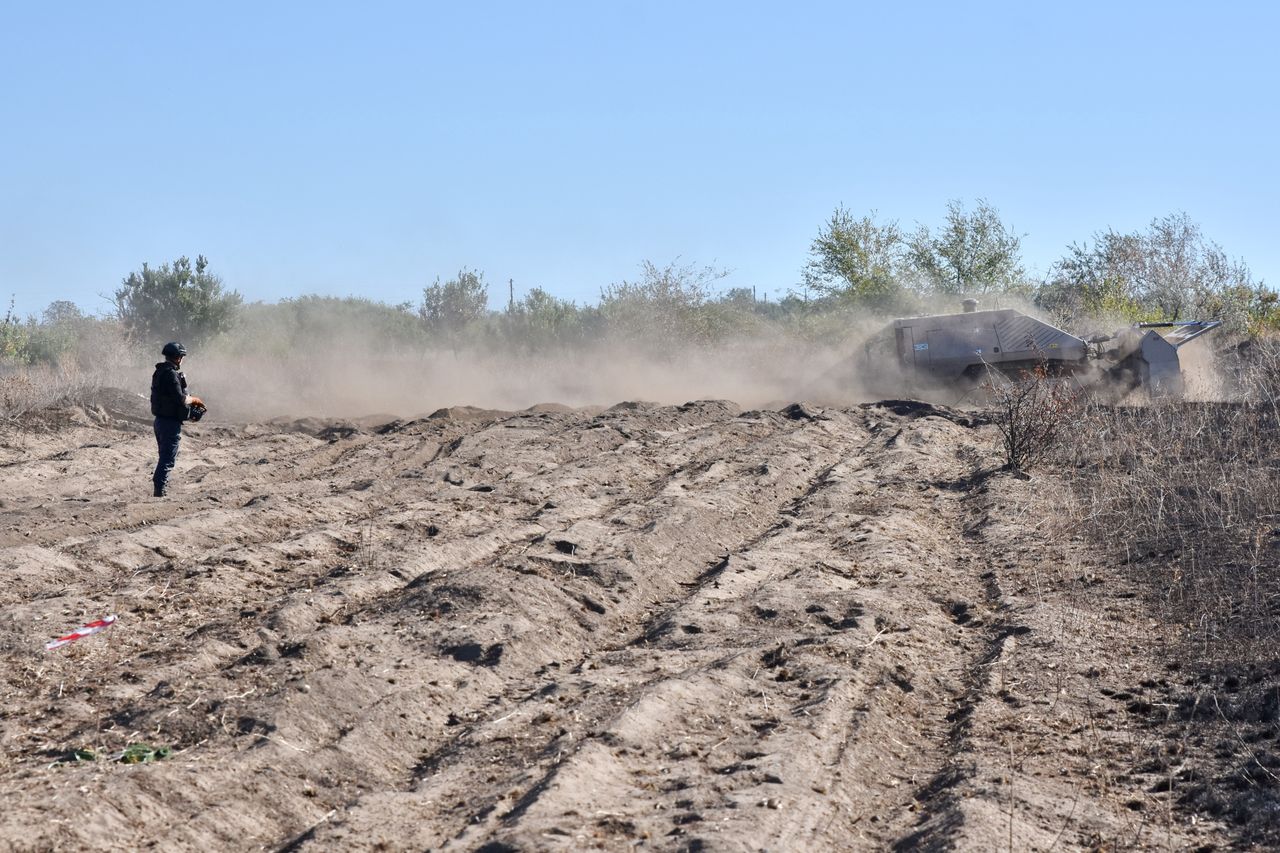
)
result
[(367, 148)]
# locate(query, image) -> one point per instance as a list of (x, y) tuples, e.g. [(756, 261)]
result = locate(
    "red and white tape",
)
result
[(82, 631)]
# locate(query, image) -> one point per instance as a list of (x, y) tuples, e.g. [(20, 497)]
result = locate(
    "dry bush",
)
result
[(1034, 411)]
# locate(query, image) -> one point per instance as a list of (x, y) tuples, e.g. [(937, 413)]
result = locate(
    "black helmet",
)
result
[(173, 349)]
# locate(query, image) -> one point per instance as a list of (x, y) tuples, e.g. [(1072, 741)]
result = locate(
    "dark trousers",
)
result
[(168, 437)]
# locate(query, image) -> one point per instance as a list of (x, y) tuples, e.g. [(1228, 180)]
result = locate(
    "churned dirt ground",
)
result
[(679, 628)]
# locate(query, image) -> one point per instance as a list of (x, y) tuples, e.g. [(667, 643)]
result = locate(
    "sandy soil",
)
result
[(689, 627)]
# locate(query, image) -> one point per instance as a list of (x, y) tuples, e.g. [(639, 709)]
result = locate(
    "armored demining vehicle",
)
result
[(964, 349)]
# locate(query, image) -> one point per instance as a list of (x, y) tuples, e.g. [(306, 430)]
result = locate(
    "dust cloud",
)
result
[(359, 379), (345, 370), (1204, 376)]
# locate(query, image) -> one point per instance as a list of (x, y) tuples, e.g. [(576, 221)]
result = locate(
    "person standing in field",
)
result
[(171, 404)]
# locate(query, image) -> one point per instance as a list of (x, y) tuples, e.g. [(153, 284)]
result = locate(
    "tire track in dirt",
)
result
[(940, 815)]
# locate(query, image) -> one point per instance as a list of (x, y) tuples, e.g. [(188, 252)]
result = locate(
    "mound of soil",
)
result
[(122, 404)]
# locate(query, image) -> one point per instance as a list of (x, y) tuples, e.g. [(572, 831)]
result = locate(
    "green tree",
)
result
[(742, 298), (177, 301), (448, 308), (63, 312), (972, 253), (540, 321), (1170, 271), (311, 324), (62, 329), (856, 259), (664, 310), (1094, 281)]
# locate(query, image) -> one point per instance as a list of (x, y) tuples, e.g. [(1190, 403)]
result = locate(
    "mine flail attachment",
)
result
[(1149, 358)]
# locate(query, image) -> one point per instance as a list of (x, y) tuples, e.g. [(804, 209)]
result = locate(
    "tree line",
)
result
[(857, 267), (1168, 271)]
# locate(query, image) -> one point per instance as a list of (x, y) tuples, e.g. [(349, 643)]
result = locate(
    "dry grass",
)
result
[(1190, 493), (1187, 495), (27, 390)]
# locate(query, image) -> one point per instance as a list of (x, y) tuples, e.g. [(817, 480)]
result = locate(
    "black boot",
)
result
[(159, 492)]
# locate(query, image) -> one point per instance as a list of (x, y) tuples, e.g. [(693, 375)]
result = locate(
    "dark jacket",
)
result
[(169, 392)]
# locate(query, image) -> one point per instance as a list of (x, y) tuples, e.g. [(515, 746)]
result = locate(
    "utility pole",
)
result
[(511, 296)]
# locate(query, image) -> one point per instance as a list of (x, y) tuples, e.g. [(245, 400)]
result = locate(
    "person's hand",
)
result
[(195, 401)]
